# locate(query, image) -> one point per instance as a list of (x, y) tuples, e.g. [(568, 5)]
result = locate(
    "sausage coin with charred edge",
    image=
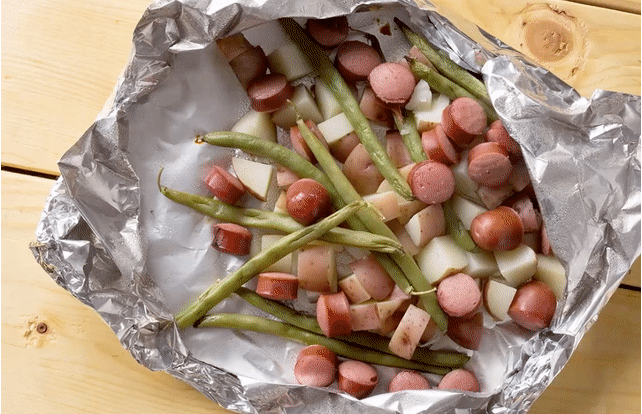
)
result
[(355, 60), (392, 83), (489, 164), (224, 185), (459, 295), (357, 378), (270, 92), (408, 380), (533, 306), (232, 238), (463, 120), (277, 286), (328, 33), (307, 201), (333, 314), (438, 147), (431, 182), (316, 366), (459, 379), (500, 229)]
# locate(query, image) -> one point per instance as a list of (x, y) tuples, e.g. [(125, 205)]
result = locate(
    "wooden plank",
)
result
[(632, 278), (629, 6), (77, 365), (61, 60)]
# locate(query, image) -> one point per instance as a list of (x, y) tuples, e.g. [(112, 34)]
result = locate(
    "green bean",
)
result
[(285, 330), (455, 228), (445, 86), (286, 245), (411, 138), (364, 338), (333, 80)]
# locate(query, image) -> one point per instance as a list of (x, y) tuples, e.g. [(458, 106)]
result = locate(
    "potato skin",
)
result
[(361, 171)]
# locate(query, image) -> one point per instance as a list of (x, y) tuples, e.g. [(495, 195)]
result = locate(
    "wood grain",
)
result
[(629, 6)]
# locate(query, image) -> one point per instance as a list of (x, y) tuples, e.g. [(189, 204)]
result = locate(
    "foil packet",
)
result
[(111, 239)]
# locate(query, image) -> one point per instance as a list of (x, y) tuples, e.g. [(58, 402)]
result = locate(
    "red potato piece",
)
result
[(224, 185), (463, 120), (307, 201), (328, 33), (373, 277), (431, 182), (406, 337), (408, 380), (333, 314), (493, 197), (466, 332), (316, 366), (357, 378), (459, 295), (373, 109), (397, 150), (361, 171), (430, 331), (392, 83), (522, 204), (300, 146), (533, 306), (489, 164), (232, 238), (277, 286), (355, 60), (342, 148), (316, 268), (500, 229), (460, 380), (438, 147), (364, 317), (250, 65), (270, 92), (285, 178), (232, 46), (498, 133), (519, 177)]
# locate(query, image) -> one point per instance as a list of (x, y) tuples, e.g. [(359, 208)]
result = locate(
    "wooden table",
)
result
[(60, 61)]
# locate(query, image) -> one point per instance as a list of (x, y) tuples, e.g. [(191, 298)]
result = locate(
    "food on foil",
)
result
[(440, 222)]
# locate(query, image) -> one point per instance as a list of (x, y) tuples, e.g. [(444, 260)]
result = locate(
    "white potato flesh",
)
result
[(440, 258), (466, 210), (353, 289), (285, 263), (317, 267), (406, 337), (550, 271), (493, 197), (288, 60), (326, 102), (281, 202), (387, 308), (258, 124), (335, 128), (405, 240), (421, 98), (363, 317), (285, 177), (497, 299), (426, 225), (518, 265), (426, 119), (464, 186), (386, 204), (481, 265), (302, 102), (255, 176)]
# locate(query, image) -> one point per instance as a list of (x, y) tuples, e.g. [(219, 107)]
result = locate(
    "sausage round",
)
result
[(489, 164), (463, 120), (316, 366), (307, 201), (224, 185), (498, 133), (300, 146), (277, 286), (270, 92), (355, 60), (533, 306), (333, 314), (459, 379), (393, 83), (232, 238), (361, 171), (249, 65), (357, 378), (459, 295), (431, 182), (466, 332), (328, 33), (499, 229), (438, 147), (408, 380)]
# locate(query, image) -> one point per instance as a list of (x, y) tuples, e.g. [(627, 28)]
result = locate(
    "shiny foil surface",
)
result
[(110, 238)]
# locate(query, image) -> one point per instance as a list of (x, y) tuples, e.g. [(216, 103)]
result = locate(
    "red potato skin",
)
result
[(498, 133), (392, 83), (533, 306), (466, 332), (355, 60), (313, 267), (342, 148), (374, 110), (373, 277), (300, 146), (500, 229), (489, 164), (361, 171), (397, 150), (270, 92), (316, 366), (328, 33), (250, 65), (224, 185), (463, 120), (438, 147), (523, 205), (277, 286), (459, 296), (408, 380), (232, 238), (357, 378), (460, 380), (307, 201), (333, 314), (431, 182)]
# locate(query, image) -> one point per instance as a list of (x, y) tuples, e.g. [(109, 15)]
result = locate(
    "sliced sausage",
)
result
[(234, 45), (438, 147), (431, 182), (397, 150), (463, 120), (522, 204), (498, 133), (408, 380), (533, 306), (342, 148), (373, 109), (316, 268), (307, 201), (249, 65), (466, 332), (333, 314), (500, 229), (392, 83), (316, 366), (355, 60), (224, 185), (277, 286), (270, 92), (489, 164), (373, 277), (459, 295), (232, 238), (300, 146), (361, 171), (459, 379), (357, 378), (328, 33)]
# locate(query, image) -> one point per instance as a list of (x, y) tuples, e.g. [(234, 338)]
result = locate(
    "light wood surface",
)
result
[(60, 61)]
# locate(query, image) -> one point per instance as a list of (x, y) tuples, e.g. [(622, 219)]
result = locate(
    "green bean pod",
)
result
[(456, 229), (411, 138)]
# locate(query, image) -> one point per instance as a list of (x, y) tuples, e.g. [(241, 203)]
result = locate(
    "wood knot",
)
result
[(41, 328), (548, 40)]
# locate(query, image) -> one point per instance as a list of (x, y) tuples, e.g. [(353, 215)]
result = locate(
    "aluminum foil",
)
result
[(108, 236)]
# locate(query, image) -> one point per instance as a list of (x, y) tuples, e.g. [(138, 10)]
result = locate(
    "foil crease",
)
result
[(105, 234)]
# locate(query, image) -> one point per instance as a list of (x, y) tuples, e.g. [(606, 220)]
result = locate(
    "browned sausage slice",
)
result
[(333, 314), (249, 65), (232, 238), (533, 306), (499, 229), (300, 146), (466, 332), (463, 120), (408, 380), (393, 83), (498, 133), (438, 147), (431, 182), (355, 60), (269, 92), (307, 201), (459, 295), (328, 33), (224, 185), (277, 286), (316, 366), (459, 379), (357, 378), (489, 164)]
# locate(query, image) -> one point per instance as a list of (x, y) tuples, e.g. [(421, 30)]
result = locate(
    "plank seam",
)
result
[(25, 171)]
